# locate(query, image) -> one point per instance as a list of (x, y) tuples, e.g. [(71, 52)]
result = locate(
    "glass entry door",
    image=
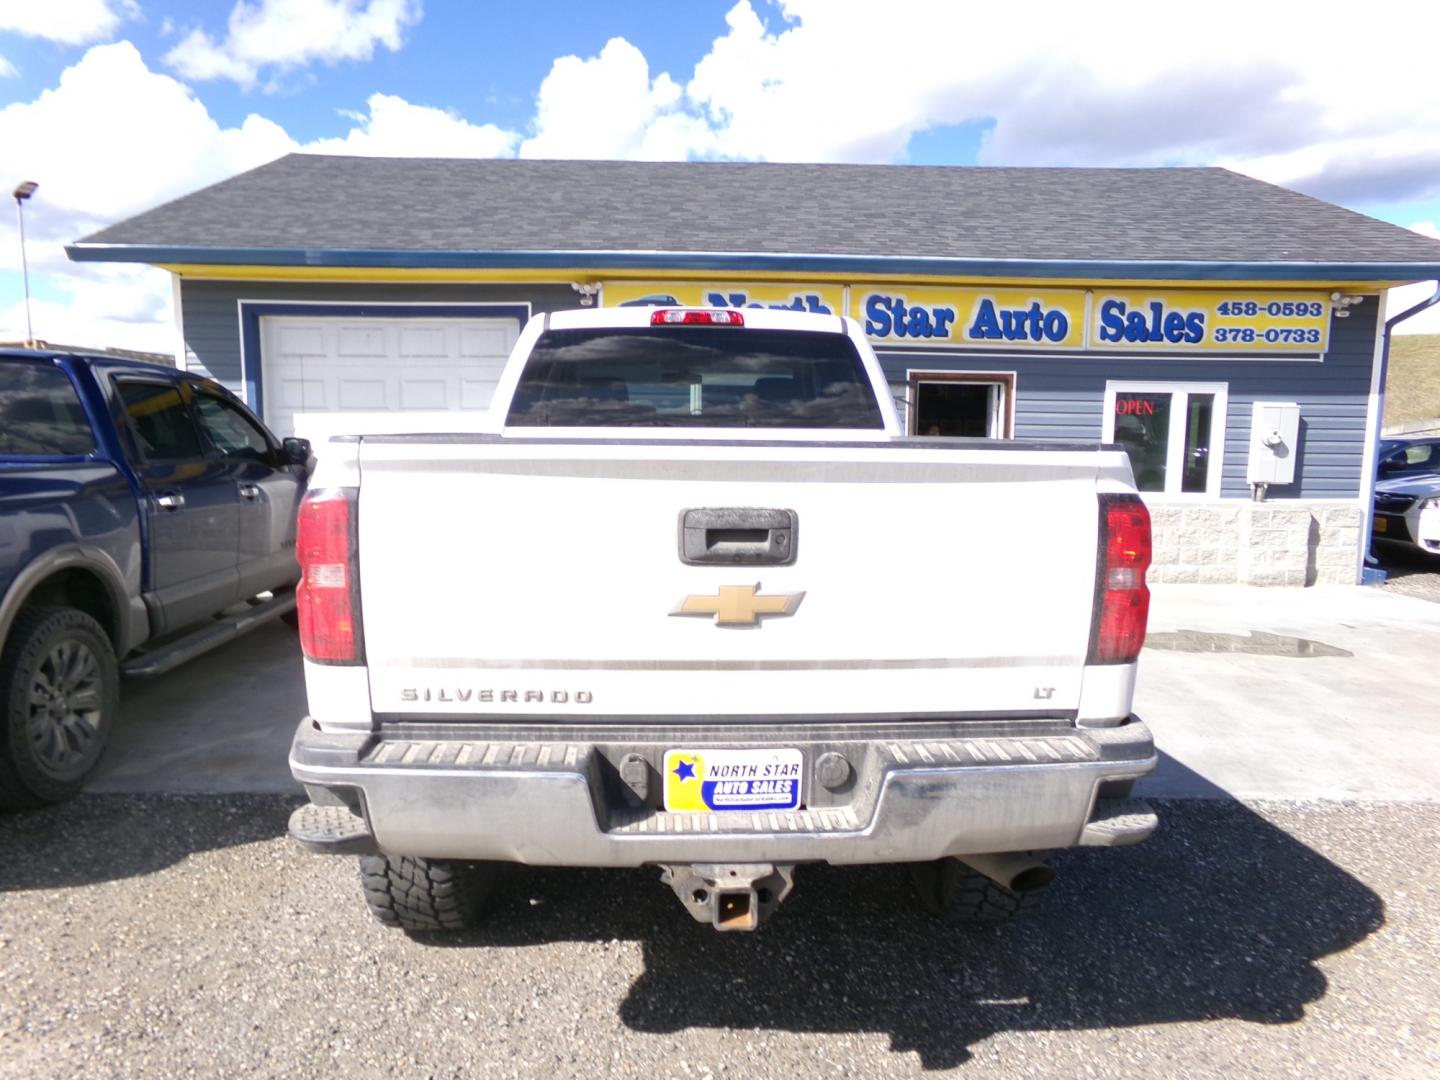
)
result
[(1172, 433)]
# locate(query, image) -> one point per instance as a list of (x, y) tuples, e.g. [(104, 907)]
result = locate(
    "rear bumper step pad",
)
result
[(544, 803), (331, 830)]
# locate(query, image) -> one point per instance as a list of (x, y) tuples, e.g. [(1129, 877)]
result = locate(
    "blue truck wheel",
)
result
[(60, 688)]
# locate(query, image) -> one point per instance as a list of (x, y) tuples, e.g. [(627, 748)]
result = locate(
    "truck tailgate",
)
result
[(539, 578)]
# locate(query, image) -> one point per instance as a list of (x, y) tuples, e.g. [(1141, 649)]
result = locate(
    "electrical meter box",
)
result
[(1274, 442)]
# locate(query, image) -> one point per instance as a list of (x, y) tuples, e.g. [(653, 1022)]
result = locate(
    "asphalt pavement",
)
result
[(1283, 921), (183, 936)]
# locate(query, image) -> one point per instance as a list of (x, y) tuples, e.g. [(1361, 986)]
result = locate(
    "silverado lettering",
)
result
[(464, 694)]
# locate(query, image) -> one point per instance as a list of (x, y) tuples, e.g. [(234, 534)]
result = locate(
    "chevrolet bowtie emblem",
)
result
[(740, 605)]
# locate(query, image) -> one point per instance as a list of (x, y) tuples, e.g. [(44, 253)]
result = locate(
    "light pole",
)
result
[(23, 191)]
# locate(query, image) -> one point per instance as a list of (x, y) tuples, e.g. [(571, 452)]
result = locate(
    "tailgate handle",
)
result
[(738, 536)]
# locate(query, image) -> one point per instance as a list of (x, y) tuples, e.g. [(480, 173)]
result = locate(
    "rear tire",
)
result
[(425, 894), (59, 695), (953, 892)]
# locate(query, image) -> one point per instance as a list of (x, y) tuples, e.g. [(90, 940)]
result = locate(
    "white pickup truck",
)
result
[(693, 600)]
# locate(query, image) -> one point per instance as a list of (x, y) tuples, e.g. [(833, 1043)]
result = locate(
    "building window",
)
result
[(964, 403), (1173, 432)]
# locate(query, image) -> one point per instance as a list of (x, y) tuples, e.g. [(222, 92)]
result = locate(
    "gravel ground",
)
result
[(184, 936), (1411, 575)]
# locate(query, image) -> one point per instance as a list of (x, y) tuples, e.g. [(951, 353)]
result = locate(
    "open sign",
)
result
[(1134, 407)]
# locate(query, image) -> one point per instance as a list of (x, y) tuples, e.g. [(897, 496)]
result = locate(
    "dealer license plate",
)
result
[(1380, 524), (717, 780)]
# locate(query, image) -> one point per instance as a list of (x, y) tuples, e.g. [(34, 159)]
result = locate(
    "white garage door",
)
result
[(378, 365)]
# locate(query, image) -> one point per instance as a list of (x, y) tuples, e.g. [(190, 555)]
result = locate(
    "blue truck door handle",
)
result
[(170, 501)]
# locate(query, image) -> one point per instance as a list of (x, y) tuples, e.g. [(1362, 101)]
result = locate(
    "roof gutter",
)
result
[(727, 261), (1373, 475)]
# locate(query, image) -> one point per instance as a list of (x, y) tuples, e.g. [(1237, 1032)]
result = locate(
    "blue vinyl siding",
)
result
[(1062, 397), (1057, 396)]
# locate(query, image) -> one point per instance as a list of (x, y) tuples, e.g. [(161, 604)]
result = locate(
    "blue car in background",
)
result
[(1407, 495), (146, 517), (1404, 457)]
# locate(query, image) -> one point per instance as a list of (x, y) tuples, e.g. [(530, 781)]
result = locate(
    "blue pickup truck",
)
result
[(146, 516)]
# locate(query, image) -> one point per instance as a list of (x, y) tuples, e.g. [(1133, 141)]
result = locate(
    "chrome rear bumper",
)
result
[(558, 802)]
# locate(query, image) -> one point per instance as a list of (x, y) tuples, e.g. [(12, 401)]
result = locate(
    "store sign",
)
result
[(1004, 318), (820, 299), (1046, 319), (1209, 321)]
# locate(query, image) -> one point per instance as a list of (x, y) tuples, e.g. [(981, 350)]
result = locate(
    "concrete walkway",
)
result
[(1291, 720), (1323, 693)]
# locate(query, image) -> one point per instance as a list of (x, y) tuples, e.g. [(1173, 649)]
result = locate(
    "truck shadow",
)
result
[(1220, 915), (99, 838)]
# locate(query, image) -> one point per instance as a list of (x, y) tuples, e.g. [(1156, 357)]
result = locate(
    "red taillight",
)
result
[(326, 596), (1122, 601), (703, 317)]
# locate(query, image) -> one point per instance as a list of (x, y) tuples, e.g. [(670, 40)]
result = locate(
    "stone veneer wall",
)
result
[(1285, 542)]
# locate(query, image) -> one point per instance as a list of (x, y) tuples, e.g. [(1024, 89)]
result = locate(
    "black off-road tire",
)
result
[(425, 894), (33, 770), (955, 893)]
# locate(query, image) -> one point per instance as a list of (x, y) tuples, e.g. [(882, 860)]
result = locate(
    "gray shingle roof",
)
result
[(312, 202)]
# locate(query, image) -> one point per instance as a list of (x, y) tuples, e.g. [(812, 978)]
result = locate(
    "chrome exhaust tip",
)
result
[(1017, 871)]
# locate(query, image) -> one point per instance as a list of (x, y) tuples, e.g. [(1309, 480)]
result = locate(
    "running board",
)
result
[(157, 661)]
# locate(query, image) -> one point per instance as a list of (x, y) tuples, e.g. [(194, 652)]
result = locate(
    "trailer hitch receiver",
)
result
[(730, 896)]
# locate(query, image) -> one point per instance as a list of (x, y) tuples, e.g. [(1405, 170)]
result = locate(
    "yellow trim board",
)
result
[(422, 275)]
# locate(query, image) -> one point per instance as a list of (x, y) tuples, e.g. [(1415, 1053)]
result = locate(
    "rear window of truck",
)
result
[(40, 413), (701, 376)]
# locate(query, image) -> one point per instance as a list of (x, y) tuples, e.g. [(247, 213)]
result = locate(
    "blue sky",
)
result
[(117, 105), (484, 60)]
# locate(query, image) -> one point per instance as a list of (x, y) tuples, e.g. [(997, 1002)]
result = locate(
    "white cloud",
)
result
[(1336, 106), (114, 139), (609, 107), (119, 307), (70, 22), (286, 34), (844, 84), (1333, 111), (1428, 321), (396, 128), (110, 140)]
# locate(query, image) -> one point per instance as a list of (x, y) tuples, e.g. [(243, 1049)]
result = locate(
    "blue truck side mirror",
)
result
[(295, 451)]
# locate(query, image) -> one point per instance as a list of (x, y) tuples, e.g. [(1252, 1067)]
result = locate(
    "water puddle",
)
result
[(1257, 643)]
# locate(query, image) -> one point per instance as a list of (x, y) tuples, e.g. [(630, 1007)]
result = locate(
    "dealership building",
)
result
[(1228, 333)]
